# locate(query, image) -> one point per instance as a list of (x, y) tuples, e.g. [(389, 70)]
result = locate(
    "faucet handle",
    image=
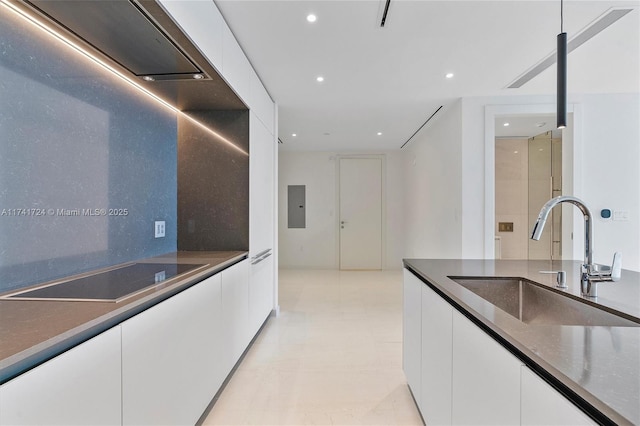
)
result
[(616, 267)]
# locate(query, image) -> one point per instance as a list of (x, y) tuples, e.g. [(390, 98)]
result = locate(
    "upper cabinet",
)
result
[(261, 103), (236, 68), (203, 23), (261, 187)]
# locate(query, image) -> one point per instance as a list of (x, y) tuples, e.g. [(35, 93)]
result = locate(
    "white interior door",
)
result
[(360, 213)]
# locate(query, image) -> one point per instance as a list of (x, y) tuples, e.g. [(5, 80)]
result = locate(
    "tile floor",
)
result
[(332, 357)]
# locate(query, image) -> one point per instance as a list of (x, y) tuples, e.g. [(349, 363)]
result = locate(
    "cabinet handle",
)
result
[(260, 256), (262, 253)]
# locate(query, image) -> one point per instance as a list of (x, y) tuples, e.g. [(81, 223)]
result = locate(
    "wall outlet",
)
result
[(505, 226), (159, 233)]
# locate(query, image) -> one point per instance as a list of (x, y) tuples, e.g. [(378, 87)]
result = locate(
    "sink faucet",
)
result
[(591, 273)]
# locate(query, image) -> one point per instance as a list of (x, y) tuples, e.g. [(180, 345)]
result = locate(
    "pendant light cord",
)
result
[(561, 16)]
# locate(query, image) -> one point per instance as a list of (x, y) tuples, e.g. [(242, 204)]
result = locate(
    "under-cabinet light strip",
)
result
[(70, 43)]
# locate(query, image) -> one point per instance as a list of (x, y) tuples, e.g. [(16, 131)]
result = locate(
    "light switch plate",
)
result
[(159, 229), (505, 226)]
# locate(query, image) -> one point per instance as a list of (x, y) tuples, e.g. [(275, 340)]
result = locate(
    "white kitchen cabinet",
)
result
[(79, 387), (486, 378), (261, 221), (202, 22), (235, 314), (437, 332), (260, 293), (543, 405), (261, 186), (261, 103), (236, 68), (171, 357), (412, 333), (262, 157)]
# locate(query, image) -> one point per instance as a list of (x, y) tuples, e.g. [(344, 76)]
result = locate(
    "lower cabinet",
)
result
[(437, 358), (486, 378), (162, 366), (79, 387), (171, 358), (459, 375), (541, 404), (260, 293), (411, 333), (235, 314)]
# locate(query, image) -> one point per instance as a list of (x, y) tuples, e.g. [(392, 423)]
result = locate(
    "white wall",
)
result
[(611, 174), (316, 246), (433, 188), (442, 175), (606, 175), (313, 246)]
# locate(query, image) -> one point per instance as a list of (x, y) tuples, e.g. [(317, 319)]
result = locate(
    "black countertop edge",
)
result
[(101, 324), (505, 341)]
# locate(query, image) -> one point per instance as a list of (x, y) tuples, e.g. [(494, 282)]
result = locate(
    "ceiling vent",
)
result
[(597, 26)]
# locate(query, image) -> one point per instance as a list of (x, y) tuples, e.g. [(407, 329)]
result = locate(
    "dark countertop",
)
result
[(32, 332), (596, 365)]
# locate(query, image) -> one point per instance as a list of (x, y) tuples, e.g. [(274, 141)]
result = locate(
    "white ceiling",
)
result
[(391, 79)]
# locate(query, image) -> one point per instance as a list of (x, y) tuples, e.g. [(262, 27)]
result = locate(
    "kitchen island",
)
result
[(595, 367)]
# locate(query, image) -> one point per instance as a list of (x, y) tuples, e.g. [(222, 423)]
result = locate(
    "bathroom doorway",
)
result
[(544, 183), (528, 172)]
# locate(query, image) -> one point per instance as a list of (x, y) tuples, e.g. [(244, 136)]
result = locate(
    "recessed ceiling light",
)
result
[(312, 18), (449, 75), (294, 134), (148, 78), (198, 76), (541, 124), (379, 133), (320, 79), (515, 152), (506, 124), (326, 133)]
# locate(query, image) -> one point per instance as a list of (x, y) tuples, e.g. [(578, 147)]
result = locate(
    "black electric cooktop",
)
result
[(110, 286)]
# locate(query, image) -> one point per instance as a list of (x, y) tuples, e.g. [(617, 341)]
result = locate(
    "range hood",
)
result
[(121, 30), (140, 39)]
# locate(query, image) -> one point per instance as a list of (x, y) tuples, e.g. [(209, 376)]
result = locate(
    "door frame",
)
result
[(383, 220), (572, 182)]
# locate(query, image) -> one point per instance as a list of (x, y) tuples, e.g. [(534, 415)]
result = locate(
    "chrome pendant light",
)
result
[(561, 95)]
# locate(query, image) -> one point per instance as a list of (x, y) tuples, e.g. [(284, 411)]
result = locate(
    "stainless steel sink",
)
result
[(535, 304)]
